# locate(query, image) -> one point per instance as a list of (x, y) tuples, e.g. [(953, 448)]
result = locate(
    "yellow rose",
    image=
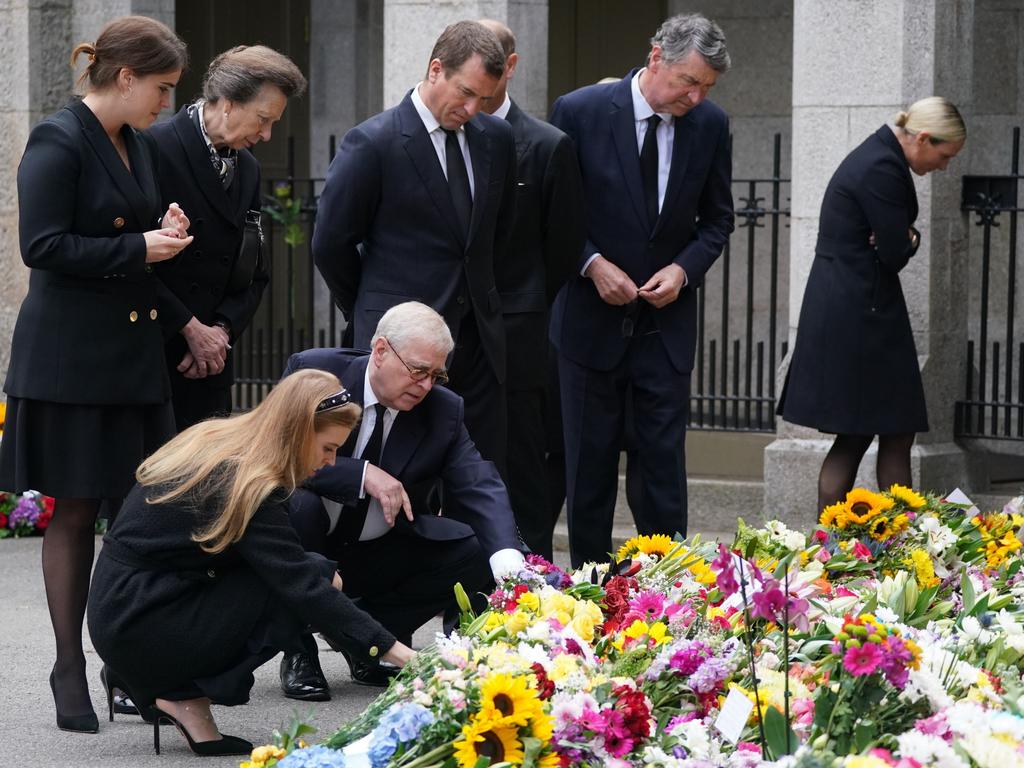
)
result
[(529, 601), (555, 603), (584, 625), (516, 622)]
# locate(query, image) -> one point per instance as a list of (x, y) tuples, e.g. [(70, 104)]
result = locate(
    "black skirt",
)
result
[(74, 451)]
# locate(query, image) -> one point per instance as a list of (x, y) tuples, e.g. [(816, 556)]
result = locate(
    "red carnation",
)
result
[(43, 522), (545, 688), (635, 712), (3, 520), (48, 504)]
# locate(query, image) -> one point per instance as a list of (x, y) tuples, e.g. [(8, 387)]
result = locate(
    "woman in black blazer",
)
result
[(854, 368), (206, 166), (87, 390), (202, 579)]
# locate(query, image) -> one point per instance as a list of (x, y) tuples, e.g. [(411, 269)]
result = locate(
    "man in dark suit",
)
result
[(656, 171), (397, 560), (418, 204), (546, 241)]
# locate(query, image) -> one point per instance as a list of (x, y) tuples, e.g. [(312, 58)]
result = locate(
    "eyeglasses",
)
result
[(420, 373), (338, 399)]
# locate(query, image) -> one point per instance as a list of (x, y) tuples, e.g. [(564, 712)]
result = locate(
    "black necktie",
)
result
[(353, 518), (649, 168), (458, 179)]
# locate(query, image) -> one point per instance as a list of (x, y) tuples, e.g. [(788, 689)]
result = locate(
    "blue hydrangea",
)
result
[(399, 725), (314, 757)]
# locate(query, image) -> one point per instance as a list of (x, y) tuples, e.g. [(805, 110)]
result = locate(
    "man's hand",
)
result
[(614, 286), (664, 286), (208, 346), (389, 492)]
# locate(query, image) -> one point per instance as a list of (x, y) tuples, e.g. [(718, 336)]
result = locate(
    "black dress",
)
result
[(87, 387), (178, 623), (854, 367)]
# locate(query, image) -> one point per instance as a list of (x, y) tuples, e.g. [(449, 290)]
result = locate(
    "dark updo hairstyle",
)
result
[(139, 43), (238, 74)]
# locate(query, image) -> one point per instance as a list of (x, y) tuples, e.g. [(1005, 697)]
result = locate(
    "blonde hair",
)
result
[(235, 463), (935, 115)]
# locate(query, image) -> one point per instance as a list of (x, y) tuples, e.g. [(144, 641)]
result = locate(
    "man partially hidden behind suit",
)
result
[(546, 241), (656, 165), (368, 511), (417, 205)]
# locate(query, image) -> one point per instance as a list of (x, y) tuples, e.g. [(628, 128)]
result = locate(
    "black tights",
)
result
[(67, 565), (839, 470)]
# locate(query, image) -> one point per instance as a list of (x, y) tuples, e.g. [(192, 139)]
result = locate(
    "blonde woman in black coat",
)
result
[(206, 166), (202, 579), (854, 368), (87, 389)]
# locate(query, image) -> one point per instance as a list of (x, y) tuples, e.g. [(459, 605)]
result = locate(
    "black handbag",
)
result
[(250, 254)]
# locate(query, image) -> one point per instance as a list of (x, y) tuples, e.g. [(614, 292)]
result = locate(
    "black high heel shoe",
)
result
[(225, 745), (112, 680), (84, 723)]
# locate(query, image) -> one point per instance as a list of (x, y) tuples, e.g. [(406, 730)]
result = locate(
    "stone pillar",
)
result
[(412, 26), (856, 63), (36, 38)]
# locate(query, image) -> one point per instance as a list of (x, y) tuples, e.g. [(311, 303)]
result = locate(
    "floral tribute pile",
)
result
[(892, 635), (27, 514)]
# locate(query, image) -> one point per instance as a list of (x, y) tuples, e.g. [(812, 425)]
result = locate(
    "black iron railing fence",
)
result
[(993, 402), (738, 351)]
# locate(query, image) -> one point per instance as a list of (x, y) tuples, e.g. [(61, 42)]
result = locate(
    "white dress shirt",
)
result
[(437, 136), (506, 105)]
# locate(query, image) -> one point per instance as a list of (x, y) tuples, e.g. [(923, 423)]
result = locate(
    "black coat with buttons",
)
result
[(198, 278), (165, 614), (88, 330), (854, 368)]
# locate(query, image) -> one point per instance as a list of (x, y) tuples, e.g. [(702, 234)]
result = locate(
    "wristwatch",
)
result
[(225, 325)]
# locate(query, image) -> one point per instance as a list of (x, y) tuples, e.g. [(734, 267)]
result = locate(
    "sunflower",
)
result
[(507, 700), (481, 739), (900, 523), (550, 760), (864, 505), (880, 528), (908, 496), (659, 545), (832, 514)]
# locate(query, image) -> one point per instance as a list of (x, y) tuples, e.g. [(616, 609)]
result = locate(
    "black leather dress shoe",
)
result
[(365, 674), (302, 678)]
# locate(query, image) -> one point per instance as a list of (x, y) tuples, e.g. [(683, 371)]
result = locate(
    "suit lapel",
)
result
[(405, 436), (421, 151), (624, 137), (682, 142), (111, 161), (143, 177), (355, 375), (197, 155), (480, 156)]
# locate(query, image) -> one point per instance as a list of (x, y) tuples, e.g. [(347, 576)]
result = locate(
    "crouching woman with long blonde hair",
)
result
[(202, 579)]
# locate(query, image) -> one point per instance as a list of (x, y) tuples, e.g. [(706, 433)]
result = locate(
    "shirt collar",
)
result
[(506, 105), (641, 109), (429, 121), (369, 396)]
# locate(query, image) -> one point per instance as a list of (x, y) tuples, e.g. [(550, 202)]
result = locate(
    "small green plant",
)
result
[(286, 211)]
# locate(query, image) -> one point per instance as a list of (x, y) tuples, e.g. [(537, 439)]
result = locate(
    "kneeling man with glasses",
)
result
[(369, 511)]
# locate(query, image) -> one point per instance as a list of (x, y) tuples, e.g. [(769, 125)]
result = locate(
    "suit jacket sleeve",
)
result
[(564, 225), (475, 494), (345, 215), (272, 549), (882, 195), (48, 180), (239, 308), (714, 214), (563, 119)]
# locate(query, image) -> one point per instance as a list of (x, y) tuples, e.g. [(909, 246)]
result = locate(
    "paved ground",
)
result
[(28, 734)]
